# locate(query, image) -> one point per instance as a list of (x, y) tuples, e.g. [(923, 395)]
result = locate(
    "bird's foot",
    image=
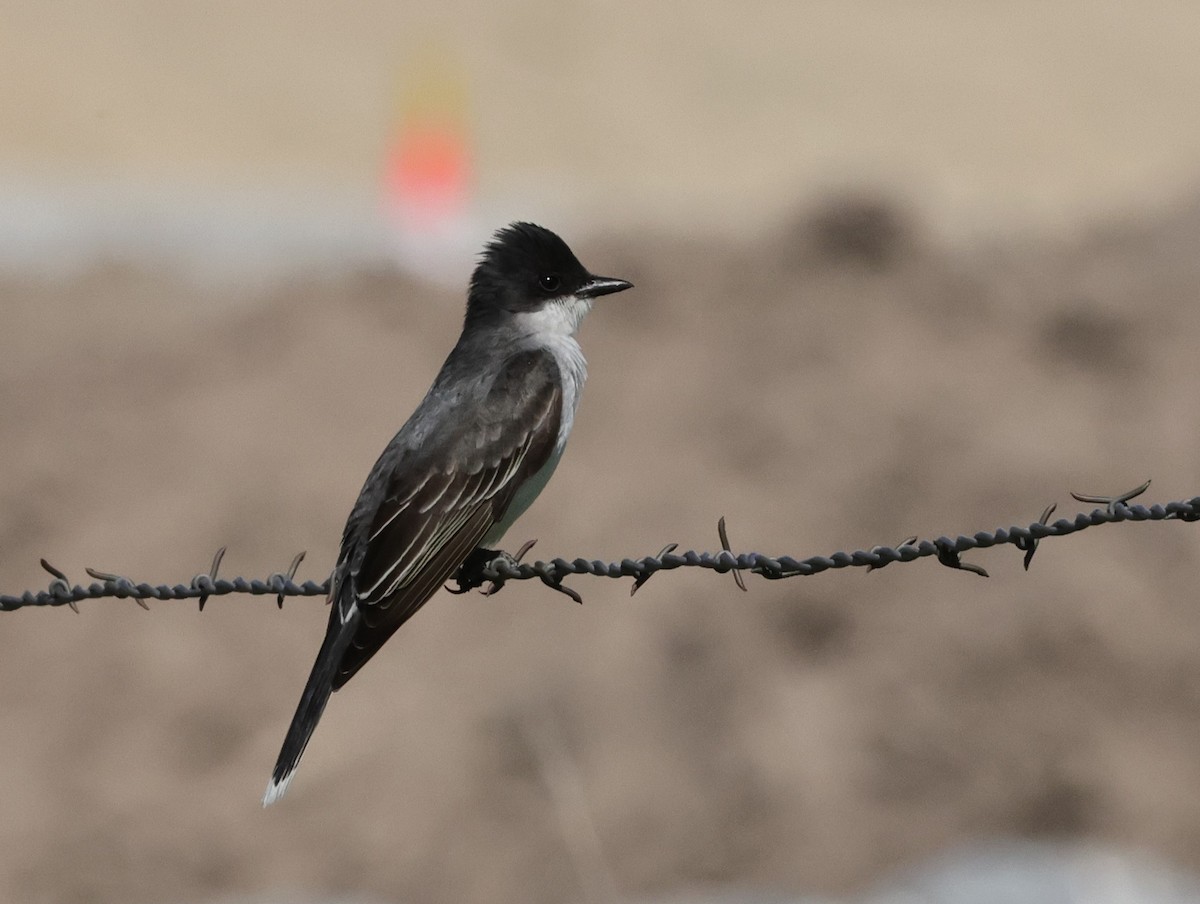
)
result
[(471, 573)]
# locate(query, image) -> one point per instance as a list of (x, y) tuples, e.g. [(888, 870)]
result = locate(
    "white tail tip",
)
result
[(276, 789)]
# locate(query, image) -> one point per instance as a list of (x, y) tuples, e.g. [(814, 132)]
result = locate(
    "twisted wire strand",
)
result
[(499, 571)]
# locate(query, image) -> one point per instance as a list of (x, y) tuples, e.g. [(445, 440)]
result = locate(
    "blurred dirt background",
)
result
[(900, 270)]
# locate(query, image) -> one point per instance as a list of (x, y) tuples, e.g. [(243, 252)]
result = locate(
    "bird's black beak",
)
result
[(602, 285)]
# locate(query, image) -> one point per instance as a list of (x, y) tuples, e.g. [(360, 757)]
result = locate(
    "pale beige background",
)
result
[(712, 115)]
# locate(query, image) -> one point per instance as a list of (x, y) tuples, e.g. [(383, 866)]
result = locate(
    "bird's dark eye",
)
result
[(549, 282)]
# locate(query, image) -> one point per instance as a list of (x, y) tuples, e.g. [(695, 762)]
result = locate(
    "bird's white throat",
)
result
[(560, 317)]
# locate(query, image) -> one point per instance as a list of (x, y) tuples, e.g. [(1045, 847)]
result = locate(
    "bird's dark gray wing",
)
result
[(440, 503), (431, 498)]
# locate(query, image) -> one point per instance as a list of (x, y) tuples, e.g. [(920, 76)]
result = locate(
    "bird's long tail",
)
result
[(312, 702)]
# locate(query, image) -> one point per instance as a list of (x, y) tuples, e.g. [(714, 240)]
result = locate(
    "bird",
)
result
[(471, 458)]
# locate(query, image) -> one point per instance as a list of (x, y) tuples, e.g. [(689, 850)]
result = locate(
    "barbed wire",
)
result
[(503, 568)]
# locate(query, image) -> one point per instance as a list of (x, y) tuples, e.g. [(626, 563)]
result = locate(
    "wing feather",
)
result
[(438, 505)]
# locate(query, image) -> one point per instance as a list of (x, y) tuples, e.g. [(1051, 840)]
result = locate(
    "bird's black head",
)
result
[(525, 267)]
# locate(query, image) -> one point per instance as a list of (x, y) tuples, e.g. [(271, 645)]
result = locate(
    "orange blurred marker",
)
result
[(427, 173)]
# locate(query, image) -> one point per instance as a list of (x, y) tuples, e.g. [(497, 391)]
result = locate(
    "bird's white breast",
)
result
[(552, 328)]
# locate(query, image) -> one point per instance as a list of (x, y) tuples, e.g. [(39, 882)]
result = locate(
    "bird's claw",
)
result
[(471, 574)]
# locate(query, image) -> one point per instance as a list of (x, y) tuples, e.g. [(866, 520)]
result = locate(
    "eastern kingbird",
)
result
[(466, 464)]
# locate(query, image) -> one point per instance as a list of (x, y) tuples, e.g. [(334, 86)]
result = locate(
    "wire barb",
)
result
[(120, 581), (1030, 544), (282, 578), (879, 550), (555, 582), (723, 536), (485, 565), (205, 582), (61, 585), (1113, 501), (949, 555), (641, 579)]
